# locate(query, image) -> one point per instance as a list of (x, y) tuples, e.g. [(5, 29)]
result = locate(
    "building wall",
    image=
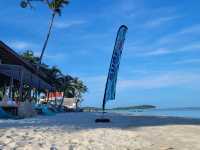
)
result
[(70, 103)]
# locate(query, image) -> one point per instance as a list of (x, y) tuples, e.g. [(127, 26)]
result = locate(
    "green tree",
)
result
[(66, 86), (78, 90), (1, 93), (28, 55), (72, 87), (54, 73)]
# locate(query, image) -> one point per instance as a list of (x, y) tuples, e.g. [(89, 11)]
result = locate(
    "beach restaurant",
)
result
[(17, 74)]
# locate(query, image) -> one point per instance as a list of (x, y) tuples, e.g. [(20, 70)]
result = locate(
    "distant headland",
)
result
[(96, 109), (135, 107)]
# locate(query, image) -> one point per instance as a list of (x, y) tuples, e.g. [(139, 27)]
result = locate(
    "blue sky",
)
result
[(161, 58)]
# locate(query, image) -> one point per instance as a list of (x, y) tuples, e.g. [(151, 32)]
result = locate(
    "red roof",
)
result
[(55, 94)]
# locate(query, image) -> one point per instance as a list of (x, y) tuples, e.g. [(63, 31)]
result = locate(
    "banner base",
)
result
[(102, 120)]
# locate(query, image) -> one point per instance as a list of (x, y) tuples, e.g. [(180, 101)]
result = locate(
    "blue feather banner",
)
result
[(110, 89)]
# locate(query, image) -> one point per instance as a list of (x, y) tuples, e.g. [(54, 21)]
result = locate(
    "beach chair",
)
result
[(46, 111)]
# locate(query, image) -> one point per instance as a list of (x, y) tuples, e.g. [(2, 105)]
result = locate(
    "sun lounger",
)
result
[(47, 111), (43, 110)]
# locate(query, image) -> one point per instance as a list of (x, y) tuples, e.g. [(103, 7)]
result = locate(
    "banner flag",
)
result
[(110, 89)]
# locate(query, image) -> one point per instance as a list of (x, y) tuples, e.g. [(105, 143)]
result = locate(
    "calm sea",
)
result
[(175, 112)]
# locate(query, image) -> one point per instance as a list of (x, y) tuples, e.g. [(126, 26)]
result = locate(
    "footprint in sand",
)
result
[(9, 137), (26, 133), (41, 145), (167, 148), (91, 141), (72, 147)]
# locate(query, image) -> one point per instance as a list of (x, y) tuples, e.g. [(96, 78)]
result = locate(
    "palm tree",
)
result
[(55, 6), (66, 87), (72, 88), (78, 90), (54, 73)]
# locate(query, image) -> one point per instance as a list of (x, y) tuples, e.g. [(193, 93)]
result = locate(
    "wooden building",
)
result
[(16, 71)]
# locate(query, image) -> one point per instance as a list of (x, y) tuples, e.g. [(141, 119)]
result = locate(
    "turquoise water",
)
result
[(175, 112)]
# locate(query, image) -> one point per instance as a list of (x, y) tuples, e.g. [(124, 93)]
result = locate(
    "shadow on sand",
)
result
[(82, 121)]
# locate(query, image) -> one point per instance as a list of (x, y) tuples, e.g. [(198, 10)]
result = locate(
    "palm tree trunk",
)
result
[(55, 100), (76, 104), (47, 38), (47, 96), (62, 99)]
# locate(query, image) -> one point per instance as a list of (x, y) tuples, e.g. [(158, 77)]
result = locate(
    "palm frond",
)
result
[(56, 5)]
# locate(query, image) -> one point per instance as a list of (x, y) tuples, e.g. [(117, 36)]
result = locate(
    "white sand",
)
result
[(78, 131)]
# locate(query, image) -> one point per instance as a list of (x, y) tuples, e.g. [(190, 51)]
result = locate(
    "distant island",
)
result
[(91, 109), (134, 107), (96, 109)]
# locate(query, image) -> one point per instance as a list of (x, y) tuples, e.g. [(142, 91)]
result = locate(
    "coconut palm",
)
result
[(72, 88), (55, 6), (54, 74), (66, 86), (78, 90)]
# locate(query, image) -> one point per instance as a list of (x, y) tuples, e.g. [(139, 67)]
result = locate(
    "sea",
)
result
[(172, 112)]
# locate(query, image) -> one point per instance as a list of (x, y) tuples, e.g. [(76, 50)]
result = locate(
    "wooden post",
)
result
[(29, 94), (36, 92), (31, 89), (21, 85), (63, 97), (35, 95), (4, 89), (47, 96), (11, 87), (55, 99)]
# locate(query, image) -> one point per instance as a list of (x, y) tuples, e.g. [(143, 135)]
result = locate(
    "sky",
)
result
[(160, 64)]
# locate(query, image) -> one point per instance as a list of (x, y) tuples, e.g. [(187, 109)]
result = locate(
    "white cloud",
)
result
[(192, 29), (169, 44), (21, 45), (192, 46), (37, 53), (67, 24), (158, 52), (188, 61), (178, 36), (56, 56), (152, 80), (159, 21), (165, 51), (96, 83), (160, 81)]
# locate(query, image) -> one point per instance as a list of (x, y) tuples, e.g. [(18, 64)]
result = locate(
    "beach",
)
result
[(78, 131)]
